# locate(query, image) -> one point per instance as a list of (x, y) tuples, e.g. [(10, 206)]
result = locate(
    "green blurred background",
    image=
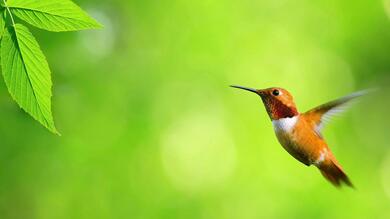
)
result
[(150, 128)]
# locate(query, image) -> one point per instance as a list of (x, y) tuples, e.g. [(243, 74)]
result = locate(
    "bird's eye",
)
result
[(275, 92)]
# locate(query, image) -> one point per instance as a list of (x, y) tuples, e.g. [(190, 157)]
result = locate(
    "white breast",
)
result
[(285, 124)]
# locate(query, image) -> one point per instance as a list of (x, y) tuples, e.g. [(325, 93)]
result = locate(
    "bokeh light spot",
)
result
[(386, 5), (386, 175), (99, 43), (197, 152)]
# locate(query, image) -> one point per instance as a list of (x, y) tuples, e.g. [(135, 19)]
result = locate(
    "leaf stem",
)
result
[(9, 12)]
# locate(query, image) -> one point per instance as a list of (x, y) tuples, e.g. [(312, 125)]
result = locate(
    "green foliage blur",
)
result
[(150, 128)]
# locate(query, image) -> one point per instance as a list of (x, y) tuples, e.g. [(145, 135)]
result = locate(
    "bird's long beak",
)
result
[(245, 88)]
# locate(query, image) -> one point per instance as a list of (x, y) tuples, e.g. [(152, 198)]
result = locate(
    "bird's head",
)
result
[(278, 102)]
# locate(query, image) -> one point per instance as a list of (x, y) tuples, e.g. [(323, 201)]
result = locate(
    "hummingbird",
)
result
[(300, 133)]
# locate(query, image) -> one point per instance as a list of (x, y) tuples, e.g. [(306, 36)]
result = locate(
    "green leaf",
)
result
[(52, 15), (27, 74), (2, 21)]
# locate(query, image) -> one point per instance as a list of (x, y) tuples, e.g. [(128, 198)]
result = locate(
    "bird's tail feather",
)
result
[(334, 174)]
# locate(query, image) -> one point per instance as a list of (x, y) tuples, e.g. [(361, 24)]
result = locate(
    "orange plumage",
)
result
[(300, 133)]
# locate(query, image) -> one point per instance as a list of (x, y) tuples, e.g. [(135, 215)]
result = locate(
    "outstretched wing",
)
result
[(322, 114)]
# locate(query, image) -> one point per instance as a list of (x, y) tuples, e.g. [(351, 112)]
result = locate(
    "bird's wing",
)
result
[(322, 114)]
